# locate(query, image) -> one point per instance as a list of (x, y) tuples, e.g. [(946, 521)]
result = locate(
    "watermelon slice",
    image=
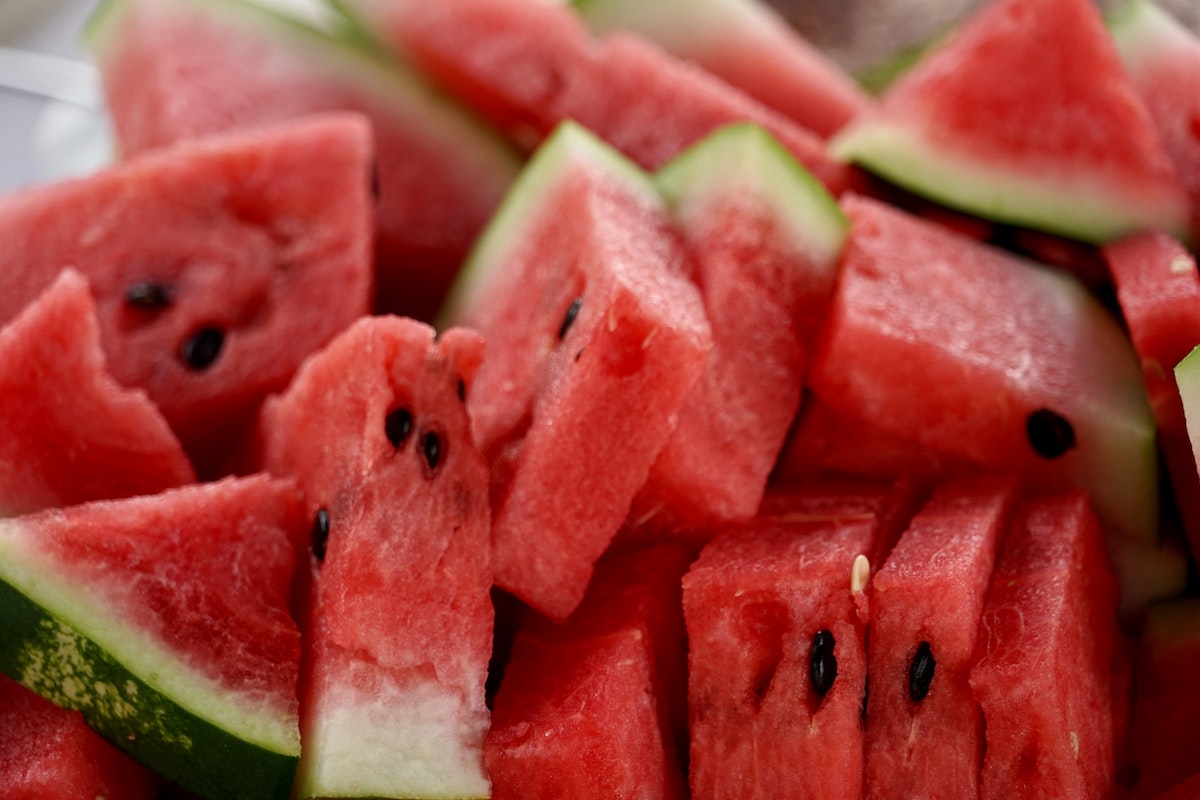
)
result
[(1167, 697), (187, 68), (1158, 288), (1026, 116), (1047, 654), (580, 287), (71, 433), (529, 65), (747, 44), (399, 623), (1006, 366), (765, 237), (204, 260), (924, 733), (777, 665), (165, 619), (586, 706), (49, 753), (1162, 58)]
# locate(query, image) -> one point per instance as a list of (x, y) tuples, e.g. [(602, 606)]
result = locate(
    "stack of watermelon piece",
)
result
[(523, 399)]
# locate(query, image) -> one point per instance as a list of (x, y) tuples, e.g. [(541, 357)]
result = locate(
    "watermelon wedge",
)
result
[(1047, 642), (765, 237), (165, 619), (184, 69), (399, 616), (529, 65), (71, 433), (924, 733), (1026, 116), (749, 45), (203, 260), (580, 285), (49, 753)]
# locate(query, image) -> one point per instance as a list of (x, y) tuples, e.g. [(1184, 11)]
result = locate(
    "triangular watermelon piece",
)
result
[(49, 753), (184, 69), (530, 65), (71, 433), (399, 620), (166, 620), (206, 261), (596, 336), (1026, 116)]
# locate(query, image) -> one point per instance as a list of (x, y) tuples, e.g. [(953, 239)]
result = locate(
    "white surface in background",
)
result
[(44, 140)]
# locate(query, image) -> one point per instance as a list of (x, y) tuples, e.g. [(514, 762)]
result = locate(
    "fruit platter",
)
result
[(607, 399)]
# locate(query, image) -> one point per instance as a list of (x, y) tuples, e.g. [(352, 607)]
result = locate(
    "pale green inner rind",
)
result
[(57, 661), (1141, 31), (569, 143), (1187, 378), (1080, 206), (252, 718), (744, 155)]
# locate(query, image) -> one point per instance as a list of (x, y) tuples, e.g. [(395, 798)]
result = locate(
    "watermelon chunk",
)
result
[(529, 65), (1162, 58), (924, 733), (580, 287), (1166, 697), (777, 665), (1026, 116), (765, 237), (1043, 383), (399, 621), (71, 433), (1047, 642), (595, 707), (204, 260), (186, 69), (749, 45), (165, 619), (49, 753)]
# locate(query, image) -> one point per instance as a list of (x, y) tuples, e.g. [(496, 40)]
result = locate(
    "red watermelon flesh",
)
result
[(924, 733), (49, 753), (1158, 289), (529, 65), (71, 433), (375, 431), (595, 706), (186, 69), (1046, 655), (749, 45), (1026, 116), (1187, 789), (580, 286), (204, 260), (1166, 697), (1043, 383), (765, 238), (1162, 58), (766, 607)]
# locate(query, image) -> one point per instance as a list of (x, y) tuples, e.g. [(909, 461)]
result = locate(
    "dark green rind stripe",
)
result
[(62, 664)]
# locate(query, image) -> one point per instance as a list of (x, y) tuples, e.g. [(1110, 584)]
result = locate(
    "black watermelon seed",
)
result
[(920, 672), (149, 295), (822, 664), (398, 425), (461, 389), (569, 318), (201, 349), (320, 533), (1050, 435), (432, 446)]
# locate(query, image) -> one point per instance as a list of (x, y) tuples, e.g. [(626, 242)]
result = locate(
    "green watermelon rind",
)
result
[(569, 142), (1079, 205), (344, 51), (744, 154), (71, 648)]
